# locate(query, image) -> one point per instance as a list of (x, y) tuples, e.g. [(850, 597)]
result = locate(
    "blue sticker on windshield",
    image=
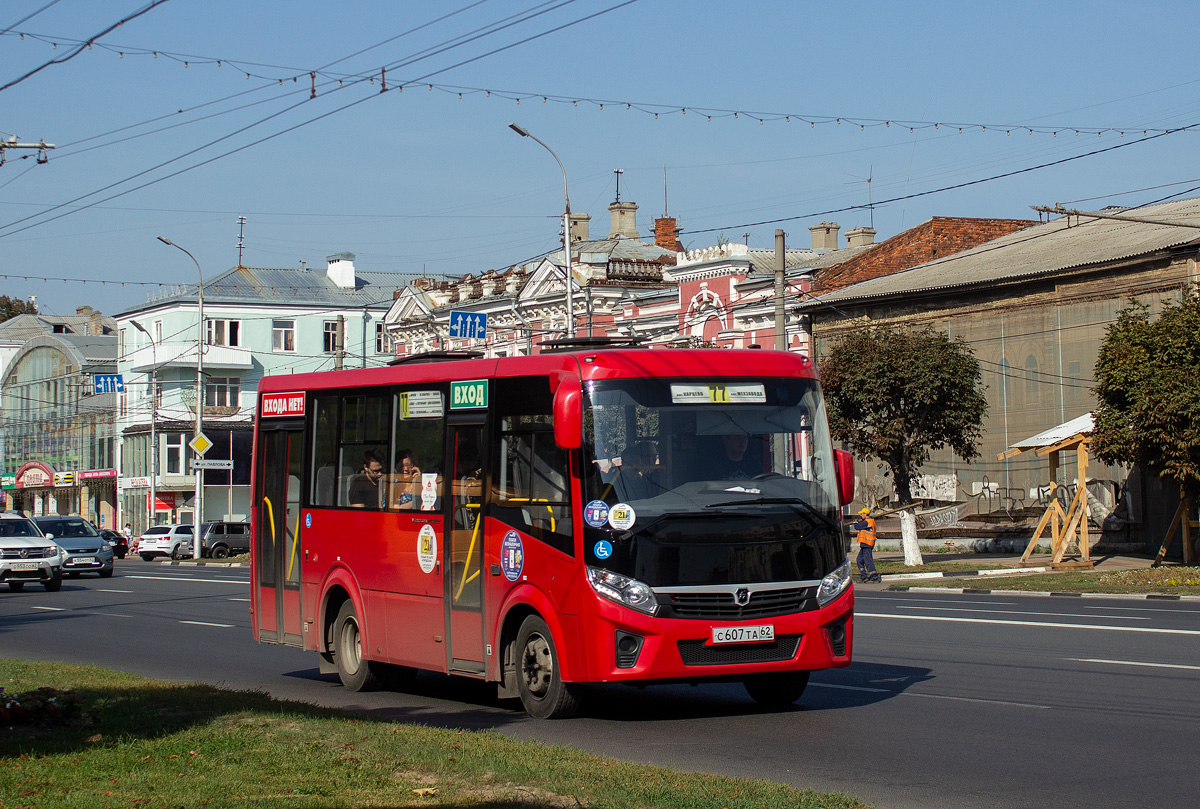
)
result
[(603, 549), (512, 556), (595, 513)]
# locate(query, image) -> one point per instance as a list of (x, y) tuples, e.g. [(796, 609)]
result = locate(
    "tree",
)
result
[(900, 395), (1148, 387), (11, 307)]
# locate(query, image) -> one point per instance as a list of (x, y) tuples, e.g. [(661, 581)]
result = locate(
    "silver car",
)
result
[(87, 551), (26, 555)]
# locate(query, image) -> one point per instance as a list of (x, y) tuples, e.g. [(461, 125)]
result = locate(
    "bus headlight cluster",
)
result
[(624, 590), (834, 584)]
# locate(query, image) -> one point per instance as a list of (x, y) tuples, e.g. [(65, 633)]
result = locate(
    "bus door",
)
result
[(463, 549), (277, 544)]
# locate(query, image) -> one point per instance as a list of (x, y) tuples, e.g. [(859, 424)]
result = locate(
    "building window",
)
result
[(383, 340), (174, 442), (156, 326), (224, 332), (1031, 380), (283, 335), (331, 336), (222, 391)]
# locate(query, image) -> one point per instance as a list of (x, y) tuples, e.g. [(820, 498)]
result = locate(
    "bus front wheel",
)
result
[(355, 673), (778, 689), (539, 676)]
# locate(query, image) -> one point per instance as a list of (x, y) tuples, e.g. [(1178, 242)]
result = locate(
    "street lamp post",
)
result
[(566, 226), (199, 496), (153, 423)]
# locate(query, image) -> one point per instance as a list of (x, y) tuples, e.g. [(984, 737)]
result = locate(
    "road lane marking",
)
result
[(1178, 611), (1133, 663), (238, 599), (189, 578), (206, 623), (1002, 621), (1023, 612), (972, 699), (938, 600), (928, 696), (98, 590), (50, 609)]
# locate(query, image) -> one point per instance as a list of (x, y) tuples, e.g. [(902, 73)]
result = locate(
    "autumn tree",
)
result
[(899, 396), (11, 307), (1148, 386)]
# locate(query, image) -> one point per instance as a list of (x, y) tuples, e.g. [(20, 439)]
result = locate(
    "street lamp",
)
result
[(153, 420), (566, 226), (199, 497)]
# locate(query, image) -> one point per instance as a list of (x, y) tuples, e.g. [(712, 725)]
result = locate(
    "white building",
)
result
[(257, 321)]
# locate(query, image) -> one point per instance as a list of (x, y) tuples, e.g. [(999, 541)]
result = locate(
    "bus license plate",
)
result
[(744, 634), (24, 566)]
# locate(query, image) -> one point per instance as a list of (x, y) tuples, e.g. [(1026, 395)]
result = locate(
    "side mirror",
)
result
[(845, 476), (568, 413), (49, 536)]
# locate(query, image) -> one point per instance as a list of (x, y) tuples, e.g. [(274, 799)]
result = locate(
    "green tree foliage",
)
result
[(900, 395), (1148, 385), (11, 307)]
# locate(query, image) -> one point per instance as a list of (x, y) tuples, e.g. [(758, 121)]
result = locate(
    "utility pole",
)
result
[(339, 351), (241, 238), (13, 143), (780, 325)]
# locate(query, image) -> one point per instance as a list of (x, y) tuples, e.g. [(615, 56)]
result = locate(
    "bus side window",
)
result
[(419, 441), (531, 474)]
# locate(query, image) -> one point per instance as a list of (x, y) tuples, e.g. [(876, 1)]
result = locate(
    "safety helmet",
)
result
[(864, 511)]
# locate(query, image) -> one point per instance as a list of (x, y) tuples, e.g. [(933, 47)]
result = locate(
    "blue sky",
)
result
[(421, 181)]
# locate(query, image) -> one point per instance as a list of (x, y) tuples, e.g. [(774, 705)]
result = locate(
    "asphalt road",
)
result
[(953, 700)]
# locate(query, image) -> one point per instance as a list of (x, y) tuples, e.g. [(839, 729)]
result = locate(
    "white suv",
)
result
[(26, 555), (162, 540)]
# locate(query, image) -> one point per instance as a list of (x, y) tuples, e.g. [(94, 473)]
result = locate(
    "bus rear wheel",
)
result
[(355, 673), (539, 676), (778, 689)]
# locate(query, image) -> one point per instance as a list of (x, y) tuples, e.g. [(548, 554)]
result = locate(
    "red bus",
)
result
[(608, 515)]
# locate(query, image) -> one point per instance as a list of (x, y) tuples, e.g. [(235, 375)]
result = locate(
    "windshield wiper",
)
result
[(801, 506)]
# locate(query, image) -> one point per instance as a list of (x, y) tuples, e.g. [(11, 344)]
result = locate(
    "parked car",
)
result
[(27, 555), (120, 544), (87, 551), (165, 540), (223, 539)]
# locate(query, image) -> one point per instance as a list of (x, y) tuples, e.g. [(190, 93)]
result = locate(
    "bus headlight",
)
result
[(624, 590), (834, 584)]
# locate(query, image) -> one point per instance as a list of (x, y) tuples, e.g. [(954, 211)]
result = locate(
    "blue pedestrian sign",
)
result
[(107, 383), (468, 325)]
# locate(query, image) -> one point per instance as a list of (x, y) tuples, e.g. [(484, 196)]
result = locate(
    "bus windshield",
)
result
[(732, 463)]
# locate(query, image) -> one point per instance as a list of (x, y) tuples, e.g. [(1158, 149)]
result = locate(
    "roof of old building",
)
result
[(1044, 249), (26, 327)]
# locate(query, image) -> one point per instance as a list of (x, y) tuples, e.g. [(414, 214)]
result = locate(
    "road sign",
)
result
[(201, 463), (468, 325), (107, 383), (200, 444)]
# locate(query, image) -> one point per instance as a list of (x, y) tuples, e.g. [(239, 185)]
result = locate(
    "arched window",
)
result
[(1031, 379)]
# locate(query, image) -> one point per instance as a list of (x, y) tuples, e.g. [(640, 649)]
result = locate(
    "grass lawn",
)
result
[(141, 742)]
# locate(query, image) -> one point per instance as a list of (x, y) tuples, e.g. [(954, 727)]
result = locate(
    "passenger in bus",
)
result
[(364, 488), (739, 457), (405, 482)]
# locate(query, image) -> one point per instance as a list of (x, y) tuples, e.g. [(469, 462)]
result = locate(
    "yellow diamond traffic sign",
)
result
[(200, 444)]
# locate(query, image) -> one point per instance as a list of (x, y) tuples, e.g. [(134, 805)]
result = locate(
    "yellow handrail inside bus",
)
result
[(474, 536), (536, 500), (270, 518), (295, 545)]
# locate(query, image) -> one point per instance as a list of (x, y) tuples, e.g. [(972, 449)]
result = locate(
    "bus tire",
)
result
[(356, 673), (539, 673), (777, 689)]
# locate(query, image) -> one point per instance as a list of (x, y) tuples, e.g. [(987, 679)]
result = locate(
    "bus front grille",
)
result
[(715, 606), (700, 653)]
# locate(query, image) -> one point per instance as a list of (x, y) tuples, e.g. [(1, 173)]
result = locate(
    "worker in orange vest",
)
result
[(866, 546)]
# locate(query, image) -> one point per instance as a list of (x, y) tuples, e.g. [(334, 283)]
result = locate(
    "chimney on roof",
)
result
[(83, 311), (341, 270), (858, 237), (825, 236), (624, 220), (666, 233), (579, 227)]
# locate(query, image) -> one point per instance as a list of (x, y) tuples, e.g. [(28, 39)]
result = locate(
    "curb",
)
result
[(980, 591)]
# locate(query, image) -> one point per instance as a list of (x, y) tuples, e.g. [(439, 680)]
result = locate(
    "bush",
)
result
[(41, 706)]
